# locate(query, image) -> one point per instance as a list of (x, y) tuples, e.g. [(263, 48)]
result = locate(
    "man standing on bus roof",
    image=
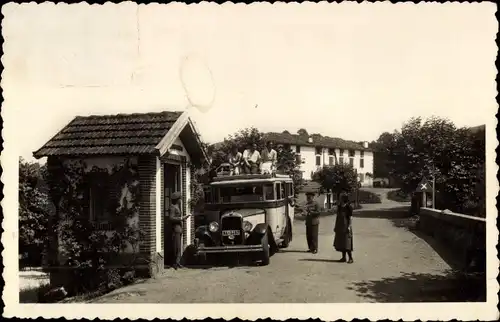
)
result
[(176, 219), (251, 159), (312, 222), (269, 158)]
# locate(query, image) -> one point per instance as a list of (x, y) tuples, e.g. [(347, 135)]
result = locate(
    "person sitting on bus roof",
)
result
[(251, 160), (235, 160), (269, 158)]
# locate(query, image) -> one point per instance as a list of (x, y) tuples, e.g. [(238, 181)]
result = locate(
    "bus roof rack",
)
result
[(247, 177)]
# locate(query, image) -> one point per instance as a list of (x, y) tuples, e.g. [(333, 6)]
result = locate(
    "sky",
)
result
[(346, 70)]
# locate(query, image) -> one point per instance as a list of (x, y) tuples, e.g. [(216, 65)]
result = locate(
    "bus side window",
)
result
[(283, 193), (278, 190), (269, 192), (287, 189)]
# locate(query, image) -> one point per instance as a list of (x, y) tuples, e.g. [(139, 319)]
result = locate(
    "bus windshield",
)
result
[(247, 192)]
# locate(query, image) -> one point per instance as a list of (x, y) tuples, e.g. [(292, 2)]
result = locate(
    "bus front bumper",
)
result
[(229, 249)]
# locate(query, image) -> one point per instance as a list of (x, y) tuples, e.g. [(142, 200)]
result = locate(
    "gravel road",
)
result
[(392, 264)]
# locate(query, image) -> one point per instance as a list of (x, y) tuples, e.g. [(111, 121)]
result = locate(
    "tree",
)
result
[(302, 132), (33, 212), (437, 147), (381, 161), (287, 160), (338, 178), (200, 177), (240, 140)]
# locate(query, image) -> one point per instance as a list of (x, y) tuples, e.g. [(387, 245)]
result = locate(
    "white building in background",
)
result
[(315, 151)]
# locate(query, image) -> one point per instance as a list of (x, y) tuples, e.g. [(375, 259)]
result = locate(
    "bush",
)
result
[(399, 196), (365, 197)]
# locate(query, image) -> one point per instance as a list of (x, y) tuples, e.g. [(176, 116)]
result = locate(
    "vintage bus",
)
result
[(251, 214)]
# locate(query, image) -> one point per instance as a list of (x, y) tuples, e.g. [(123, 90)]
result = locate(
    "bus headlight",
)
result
[(247, 226), (213, 227)]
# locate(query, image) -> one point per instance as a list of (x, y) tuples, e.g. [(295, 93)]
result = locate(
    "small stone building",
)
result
[(163, 147)]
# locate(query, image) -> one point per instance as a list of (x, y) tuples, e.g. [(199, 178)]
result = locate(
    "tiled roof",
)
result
[(110, 134), (317, 140)]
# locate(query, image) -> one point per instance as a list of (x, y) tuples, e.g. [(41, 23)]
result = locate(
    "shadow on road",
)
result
[(412, 287), (293, 251), (321, 260)]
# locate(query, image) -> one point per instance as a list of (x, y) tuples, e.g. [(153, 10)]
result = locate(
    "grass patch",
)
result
[(399, 196)]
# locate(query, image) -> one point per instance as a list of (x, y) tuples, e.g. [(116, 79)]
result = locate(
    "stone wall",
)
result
[(462, 234)]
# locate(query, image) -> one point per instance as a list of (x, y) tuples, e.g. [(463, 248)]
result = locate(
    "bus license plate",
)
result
[(230, 233)]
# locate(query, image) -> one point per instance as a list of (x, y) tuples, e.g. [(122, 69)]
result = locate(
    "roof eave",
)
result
[(166, 142), (91, 155), (175, 131)]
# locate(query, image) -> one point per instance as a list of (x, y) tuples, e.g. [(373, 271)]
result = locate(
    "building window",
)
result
[(352, 153), (351, 162), (332, 160), (103, 200), (297, 149), (97, 204), (318, 160), (319, 150), (361, 163), (362, 153), (341, 152), (361, 177), (341, 160)]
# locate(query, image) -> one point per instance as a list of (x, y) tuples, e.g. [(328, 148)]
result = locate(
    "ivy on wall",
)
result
[(77, 239)]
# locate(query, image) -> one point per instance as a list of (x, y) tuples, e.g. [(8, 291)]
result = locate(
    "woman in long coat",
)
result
[(343, 230)]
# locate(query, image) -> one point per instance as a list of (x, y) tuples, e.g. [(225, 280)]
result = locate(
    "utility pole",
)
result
[(433, 186)]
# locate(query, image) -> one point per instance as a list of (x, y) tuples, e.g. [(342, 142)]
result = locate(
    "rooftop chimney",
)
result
[(365, 144), (310, 140)]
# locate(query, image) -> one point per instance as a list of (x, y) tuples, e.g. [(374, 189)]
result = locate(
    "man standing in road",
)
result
[(176, 220), (312, 222)]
